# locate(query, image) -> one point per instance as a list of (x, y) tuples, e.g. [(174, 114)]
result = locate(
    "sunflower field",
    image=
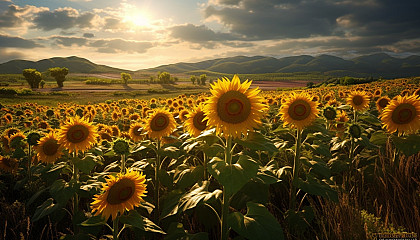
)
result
[(235, 163)]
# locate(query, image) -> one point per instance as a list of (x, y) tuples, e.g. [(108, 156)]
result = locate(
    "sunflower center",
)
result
[(383, 103), (299, 110), (121, 191), (357, 100), (50, 147), (77, 134), (137, 130), (198, 121), (404, 113), (233, 107), (159, 122)]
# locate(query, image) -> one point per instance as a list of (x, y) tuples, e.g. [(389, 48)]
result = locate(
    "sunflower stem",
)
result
[(29, 162), (115, 229), (75, 177), (156, 193), (206, 176), (226, 195), (123, 163), (296, 168)]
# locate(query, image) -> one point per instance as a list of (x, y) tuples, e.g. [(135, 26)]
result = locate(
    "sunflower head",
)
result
[(8, 164), (330, 113), (359, 100), (160, 124), (195, 122), (136, 132), (121, 146), (17, 140), (33, 138), (233, 108), (382, 102), (355, 130), (48, 148), (299, 111), (77, 134), (120, 193), (402, 114)]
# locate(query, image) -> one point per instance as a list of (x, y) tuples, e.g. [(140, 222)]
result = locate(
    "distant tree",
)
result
[(175, 79), (310, 84), (152, 79), (59, 74), (164, 77), (33, 77), (203, 79), (42, 83), (193, 79), (125, 77)]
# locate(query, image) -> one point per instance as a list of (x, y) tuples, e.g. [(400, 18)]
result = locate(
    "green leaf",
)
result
[(316, 187), (136, 220), (320, 168), (86, 164), (165, 178), (379, 138), (186, 176), (45, 209), (257, 141), (408, 145), (233, 177), (213, 150), (172, 152), (94, 221), (198, 195), (61, 191), (258, 223), (176, 232)]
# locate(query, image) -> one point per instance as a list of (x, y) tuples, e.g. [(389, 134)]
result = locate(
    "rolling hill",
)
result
[(375, 65), (74, 64)]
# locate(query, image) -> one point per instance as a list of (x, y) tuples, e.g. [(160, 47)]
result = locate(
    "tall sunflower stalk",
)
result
[(226, 195)]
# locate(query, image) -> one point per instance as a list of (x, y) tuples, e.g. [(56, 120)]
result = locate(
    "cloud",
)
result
[(88, 35), (7, 55), (70, 41), (16, 42), (120, 45), (13, 16), (62, 18), (198, 34)]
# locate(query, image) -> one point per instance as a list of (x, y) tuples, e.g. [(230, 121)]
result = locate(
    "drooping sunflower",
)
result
[(299, 111), (402, 114), (8, 164), (123, 192), (77, 134), (136, 132), (233, 108), (359, 100), (160, 124), (382, 102), (195, 122), (48, 148)]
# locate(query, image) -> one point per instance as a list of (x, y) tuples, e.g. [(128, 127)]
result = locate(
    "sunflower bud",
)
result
[(33, 138), (120, 146), (355, 130), (329, 113)]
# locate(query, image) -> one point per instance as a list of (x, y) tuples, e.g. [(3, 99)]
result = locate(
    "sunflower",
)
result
[(195, 122), (402, 114), (233, 108), (8, 118), (123, 192), (183, 115), (299, 110), (8, 164), (48, 148), (136, 132), (160, 124), (359, 100), (382, 102), (77, 134)]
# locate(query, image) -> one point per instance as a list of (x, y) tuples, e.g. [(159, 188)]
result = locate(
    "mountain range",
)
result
[(379, 64)]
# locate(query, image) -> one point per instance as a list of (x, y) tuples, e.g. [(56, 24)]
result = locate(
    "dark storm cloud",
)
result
[(274, 19), (16, 42), (63, 18), (120, 45), (197, 34)]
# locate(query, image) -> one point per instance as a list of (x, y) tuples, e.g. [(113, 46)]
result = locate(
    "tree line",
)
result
[(35, 79)]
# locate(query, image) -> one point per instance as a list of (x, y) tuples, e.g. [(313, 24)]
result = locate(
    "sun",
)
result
[(137, 18)]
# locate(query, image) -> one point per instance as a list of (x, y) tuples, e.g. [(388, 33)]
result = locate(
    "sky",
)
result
[(142, 34)]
